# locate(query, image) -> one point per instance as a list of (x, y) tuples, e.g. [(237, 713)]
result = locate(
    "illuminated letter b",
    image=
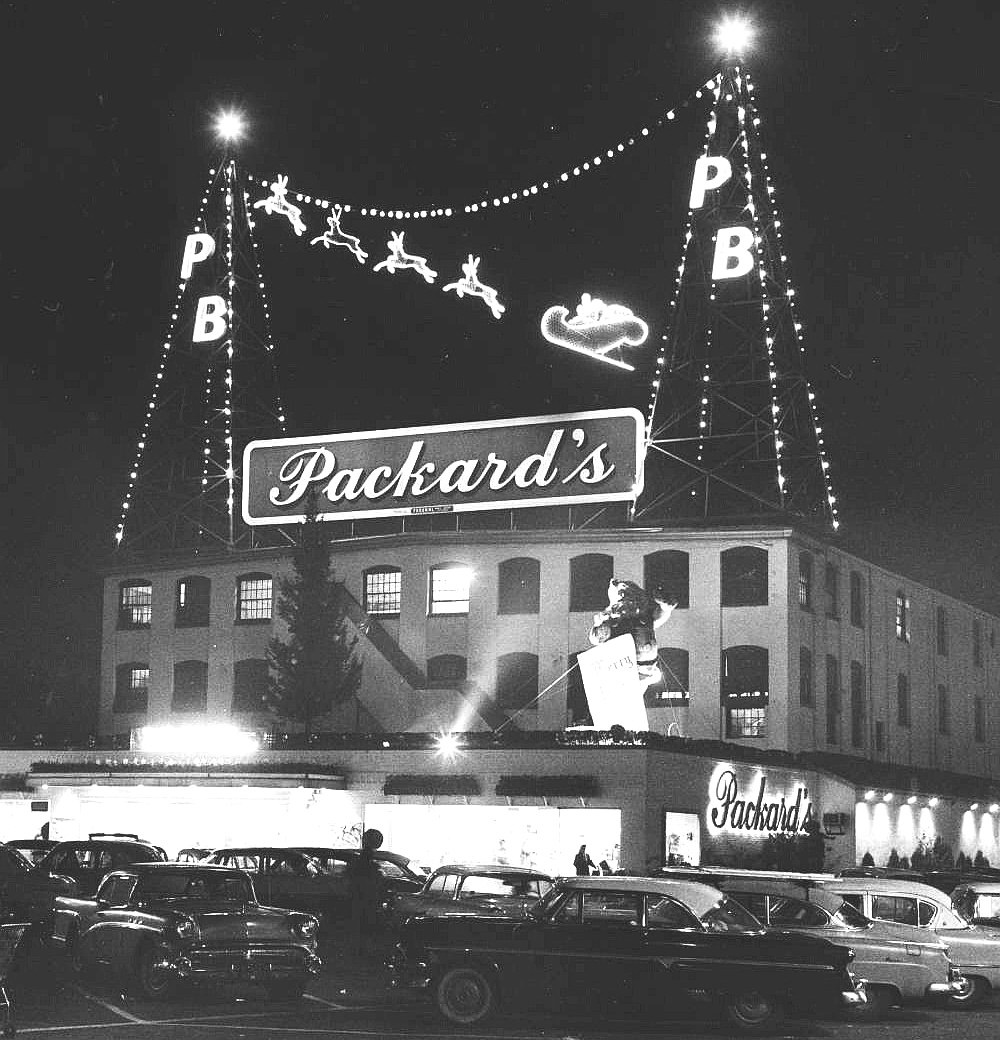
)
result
[(209, 323), (709, 172), (732, 243)]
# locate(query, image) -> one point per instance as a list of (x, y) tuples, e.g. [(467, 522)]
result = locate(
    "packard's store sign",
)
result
[(546, 460)]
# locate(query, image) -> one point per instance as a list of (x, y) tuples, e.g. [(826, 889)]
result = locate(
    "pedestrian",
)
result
[(583, 863), (366, 890)]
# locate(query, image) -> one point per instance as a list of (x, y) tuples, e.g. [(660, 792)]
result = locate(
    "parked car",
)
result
[(978, 901), (974, 950), (153, 924), (25, 891), (898, 962), (87, 861), (33, 849), (486, 889), (287, 878), (624, 945), (398, 877)]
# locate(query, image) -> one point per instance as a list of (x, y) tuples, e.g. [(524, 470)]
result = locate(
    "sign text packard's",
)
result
[(505, 464)]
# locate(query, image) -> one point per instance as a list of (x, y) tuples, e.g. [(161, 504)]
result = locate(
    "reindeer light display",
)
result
[(278, 203), (474, 287), (336, 237), (399, 260)]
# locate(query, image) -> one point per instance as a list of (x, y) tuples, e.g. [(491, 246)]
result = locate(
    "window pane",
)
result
[(450, 589), (131, 688), (805, 677), (383, 591), (857, 603), (518, 586), (190, 686), (250, 680), (805, 581), (135, 607), (744, 576), (673, 686), (255, 598), (193, 596), (517, 680), (589, 577), (666, 575), (832, 591), (746, 722)]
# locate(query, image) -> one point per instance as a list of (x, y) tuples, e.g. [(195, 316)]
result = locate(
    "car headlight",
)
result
[(185, 928), (306, 927)]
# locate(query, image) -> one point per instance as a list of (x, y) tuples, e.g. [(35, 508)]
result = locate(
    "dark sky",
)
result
[(882, 123)]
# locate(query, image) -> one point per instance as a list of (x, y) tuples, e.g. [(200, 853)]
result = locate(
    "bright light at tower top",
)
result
[(229, 126), (733, 35)]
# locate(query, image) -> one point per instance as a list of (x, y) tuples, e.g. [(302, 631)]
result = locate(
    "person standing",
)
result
[(366, 888), (583, 863)]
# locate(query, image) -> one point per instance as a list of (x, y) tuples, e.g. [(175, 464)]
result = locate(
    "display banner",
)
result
[(611, 681), (503, 464)]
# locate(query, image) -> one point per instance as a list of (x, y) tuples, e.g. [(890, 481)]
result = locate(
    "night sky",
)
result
[(882, 124)]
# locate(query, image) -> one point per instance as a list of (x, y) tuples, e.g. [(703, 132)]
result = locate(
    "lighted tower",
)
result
[(732, 424), (214, 390)]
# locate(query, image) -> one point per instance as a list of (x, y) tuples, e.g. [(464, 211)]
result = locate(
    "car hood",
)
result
[(223, 922)]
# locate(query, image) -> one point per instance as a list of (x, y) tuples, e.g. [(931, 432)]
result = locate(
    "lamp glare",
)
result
[(733, 35), (229, 126)]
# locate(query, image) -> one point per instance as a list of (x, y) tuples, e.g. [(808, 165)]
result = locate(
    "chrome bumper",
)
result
[(953, 987), (254, 962), (856, 997)]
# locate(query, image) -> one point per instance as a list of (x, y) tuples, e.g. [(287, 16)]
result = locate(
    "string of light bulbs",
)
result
[(485, 201), (755, 122), (126, 504)]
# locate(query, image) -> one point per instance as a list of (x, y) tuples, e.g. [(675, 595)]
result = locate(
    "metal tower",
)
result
[(215, 389), (732, 428)]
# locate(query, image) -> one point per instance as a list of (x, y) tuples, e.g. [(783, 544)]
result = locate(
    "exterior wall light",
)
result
[(911, 800), (995, 808), (869, 796), (888, 796), (974, 807), (932, 802)]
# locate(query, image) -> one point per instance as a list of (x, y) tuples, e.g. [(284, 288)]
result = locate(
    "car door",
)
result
[(110, 924), (295, 882), (593, 949)]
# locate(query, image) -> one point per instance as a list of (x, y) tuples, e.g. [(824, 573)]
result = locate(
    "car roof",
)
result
[(490, 868), (160, 867), (699, 897), (808, 891), (889, 886), (104, 843)]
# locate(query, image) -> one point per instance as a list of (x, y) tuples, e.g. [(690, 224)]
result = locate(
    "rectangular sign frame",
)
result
[(354, 462)]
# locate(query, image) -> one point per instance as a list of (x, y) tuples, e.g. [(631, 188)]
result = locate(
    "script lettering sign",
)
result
[(505, 464), (757, 811)]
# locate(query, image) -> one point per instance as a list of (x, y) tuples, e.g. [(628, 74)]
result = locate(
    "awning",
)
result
[(453, 785), (527, 786)]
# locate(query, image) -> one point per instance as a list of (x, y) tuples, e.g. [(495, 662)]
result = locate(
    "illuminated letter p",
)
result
[(709, 172), (197, 247)]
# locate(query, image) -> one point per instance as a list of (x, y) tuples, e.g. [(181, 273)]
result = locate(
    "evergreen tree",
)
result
[(316, 668)]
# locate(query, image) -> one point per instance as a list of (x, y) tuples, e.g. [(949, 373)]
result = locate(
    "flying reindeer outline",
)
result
[(277, 203), (474, 287), (337, 237), (398, 260)]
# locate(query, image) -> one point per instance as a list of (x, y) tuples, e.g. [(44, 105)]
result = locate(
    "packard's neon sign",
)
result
[(760, 811), (503, 464)]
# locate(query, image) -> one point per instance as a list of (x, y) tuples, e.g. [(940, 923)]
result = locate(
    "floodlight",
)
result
[(733, 35)]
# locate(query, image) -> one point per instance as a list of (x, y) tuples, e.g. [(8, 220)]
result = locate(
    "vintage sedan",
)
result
[(485, 889), (624, 944), (154, 924), (398, 877), (978, 901), (899, 963), (974, 949)]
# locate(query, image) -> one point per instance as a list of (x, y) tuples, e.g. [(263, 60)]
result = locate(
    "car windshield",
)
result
[(229, 887), (729, 916), (981, 905), (851, 916)]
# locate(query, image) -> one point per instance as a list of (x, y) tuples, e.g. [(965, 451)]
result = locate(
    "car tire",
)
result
[(287, 989), (153, 980), (974, 993), (880, 1000), (753, 1011), (466, 994)]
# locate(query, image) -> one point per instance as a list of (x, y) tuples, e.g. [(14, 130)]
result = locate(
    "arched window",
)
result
[(517, 680), (857, 705), (673, 686), (745, 693), (666, 575), (135, 604), (191, 602), (383, 591), (805, 677), (832, 700), (589, 577), (805, 580), (903, 700), (743, 573), (190, 686), (450, 589), (131, 687), (253, 597), (447, 668), (250, 681), (517, 581)]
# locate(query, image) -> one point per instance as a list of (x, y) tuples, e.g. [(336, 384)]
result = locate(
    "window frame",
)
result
[(806, 580), (585, 585), (749, 588), (192, 601), (858, 712), (435, 598), (519, 586), (127, 611), (240, 702), (127, 699), (834, 705), (831, 588), (675, 670), (902, 616), (508, 672), (903, 703), (807, 677), (857, 599), (176, 706), (379, 602), (242, 582), (666, 573)]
